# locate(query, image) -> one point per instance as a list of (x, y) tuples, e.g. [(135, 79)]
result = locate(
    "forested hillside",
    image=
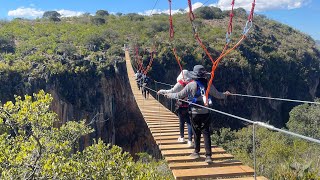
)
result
[(79, 60)]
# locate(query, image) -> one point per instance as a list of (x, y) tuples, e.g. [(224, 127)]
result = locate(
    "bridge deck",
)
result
[(164, 126)]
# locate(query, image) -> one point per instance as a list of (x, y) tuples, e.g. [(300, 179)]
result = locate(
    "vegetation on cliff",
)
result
[(31, 147)]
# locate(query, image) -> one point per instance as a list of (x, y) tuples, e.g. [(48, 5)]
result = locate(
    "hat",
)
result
[(184, 76), (198, 72)]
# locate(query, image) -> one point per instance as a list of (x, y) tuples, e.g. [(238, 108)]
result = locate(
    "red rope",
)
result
[(139, 61), (204, 47), (214, 67), (150, 62), (191, 15), (171, 30), (250, 18), (178, 60), (231, 17)]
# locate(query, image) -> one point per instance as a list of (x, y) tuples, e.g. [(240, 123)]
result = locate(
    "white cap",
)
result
[(185, 77)]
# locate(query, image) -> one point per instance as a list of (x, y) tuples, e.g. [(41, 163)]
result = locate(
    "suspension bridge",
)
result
[(164, 126)]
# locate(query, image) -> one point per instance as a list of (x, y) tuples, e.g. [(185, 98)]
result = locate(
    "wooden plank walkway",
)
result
[(164, 126)]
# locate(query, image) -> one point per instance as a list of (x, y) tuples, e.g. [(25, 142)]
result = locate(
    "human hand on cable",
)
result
[(168, 95), (160, 91), (227, 93)]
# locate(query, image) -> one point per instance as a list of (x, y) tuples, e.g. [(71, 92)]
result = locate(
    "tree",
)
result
[(7, 44), (205, 12), (98, 20), (102, 13), (305, 119), (33, 148), (51, 15)]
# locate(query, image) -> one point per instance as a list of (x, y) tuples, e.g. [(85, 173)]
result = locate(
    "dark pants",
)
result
[(184, 117), (200, 124)]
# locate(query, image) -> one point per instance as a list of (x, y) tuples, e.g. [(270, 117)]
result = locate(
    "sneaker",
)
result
[(190, 143), (208, 160), (195, 155), (181, 139)]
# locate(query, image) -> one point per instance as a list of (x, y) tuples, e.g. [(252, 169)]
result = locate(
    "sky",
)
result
[(303, 15)]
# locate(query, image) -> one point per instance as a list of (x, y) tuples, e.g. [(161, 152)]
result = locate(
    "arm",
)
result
[(176, 88), (189, 89), (215, 93)]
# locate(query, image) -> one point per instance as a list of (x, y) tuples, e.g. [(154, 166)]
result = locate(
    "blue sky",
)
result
[(303, 15)]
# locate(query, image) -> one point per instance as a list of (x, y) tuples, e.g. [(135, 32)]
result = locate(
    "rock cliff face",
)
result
[(105, 100)]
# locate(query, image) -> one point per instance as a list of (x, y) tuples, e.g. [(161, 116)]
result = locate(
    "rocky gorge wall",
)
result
[(104, 100)]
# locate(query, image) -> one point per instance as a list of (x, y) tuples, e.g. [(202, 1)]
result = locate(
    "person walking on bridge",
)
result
[(182, 108), (200, 121)]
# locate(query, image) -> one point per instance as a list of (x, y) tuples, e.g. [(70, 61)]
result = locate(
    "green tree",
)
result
[(52, 15), (102, 13), (31, 147), (305, 119), (98, 20), (7, 44)]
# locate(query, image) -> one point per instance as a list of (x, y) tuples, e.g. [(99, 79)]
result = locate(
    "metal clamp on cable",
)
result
[(247, 28), (228, 37), (194, 28)]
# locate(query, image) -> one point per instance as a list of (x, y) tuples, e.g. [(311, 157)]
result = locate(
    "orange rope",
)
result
[(178, 60), (150, 62), (215, 65)]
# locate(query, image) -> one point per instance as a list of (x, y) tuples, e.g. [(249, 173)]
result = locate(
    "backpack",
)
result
[(182, 104), (201, 92)]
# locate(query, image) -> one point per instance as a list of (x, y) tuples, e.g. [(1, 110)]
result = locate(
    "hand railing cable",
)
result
[(258, 97)]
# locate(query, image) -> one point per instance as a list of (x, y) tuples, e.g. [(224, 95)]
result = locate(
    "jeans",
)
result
[(184, 117), (200, 124)]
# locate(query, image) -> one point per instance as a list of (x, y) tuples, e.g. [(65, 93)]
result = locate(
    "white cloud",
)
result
[(174, 11), (68, 13), (34, 13), (262, 5), (26, 12)]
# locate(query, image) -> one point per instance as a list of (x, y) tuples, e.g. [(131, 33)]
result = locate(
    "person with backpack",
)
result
[(138, 77), (145, 81), (182, 108), (199, 116)]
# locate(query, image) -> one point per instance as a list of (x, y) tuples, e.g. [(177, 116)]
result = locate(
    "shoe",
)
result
[(181, 139), (195, 155), (190, 143), (208, 160)]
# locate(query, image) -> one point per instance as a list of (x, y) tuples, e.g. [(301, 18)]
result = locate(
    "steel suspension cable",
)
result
[(258, 97), (279, 99)]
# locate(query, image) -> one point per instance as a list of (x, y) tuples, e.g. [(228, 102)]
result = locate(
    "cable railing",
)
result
[(258, 97), (255, 124)]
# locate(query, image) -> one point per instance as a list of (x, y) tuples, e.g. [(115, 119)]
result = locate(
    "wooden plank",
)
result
[(248, 178), (164, 125), (166, 128), (168, 137), (167, 134), (163, 130), (171, 141), (202, 164), (212, 172), (160, 123), (185, 152), (172, 159), (176, 146)]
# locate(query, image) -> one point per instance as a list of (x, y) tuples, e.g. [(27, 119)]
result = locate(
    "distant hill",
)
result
[(318, 43)]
